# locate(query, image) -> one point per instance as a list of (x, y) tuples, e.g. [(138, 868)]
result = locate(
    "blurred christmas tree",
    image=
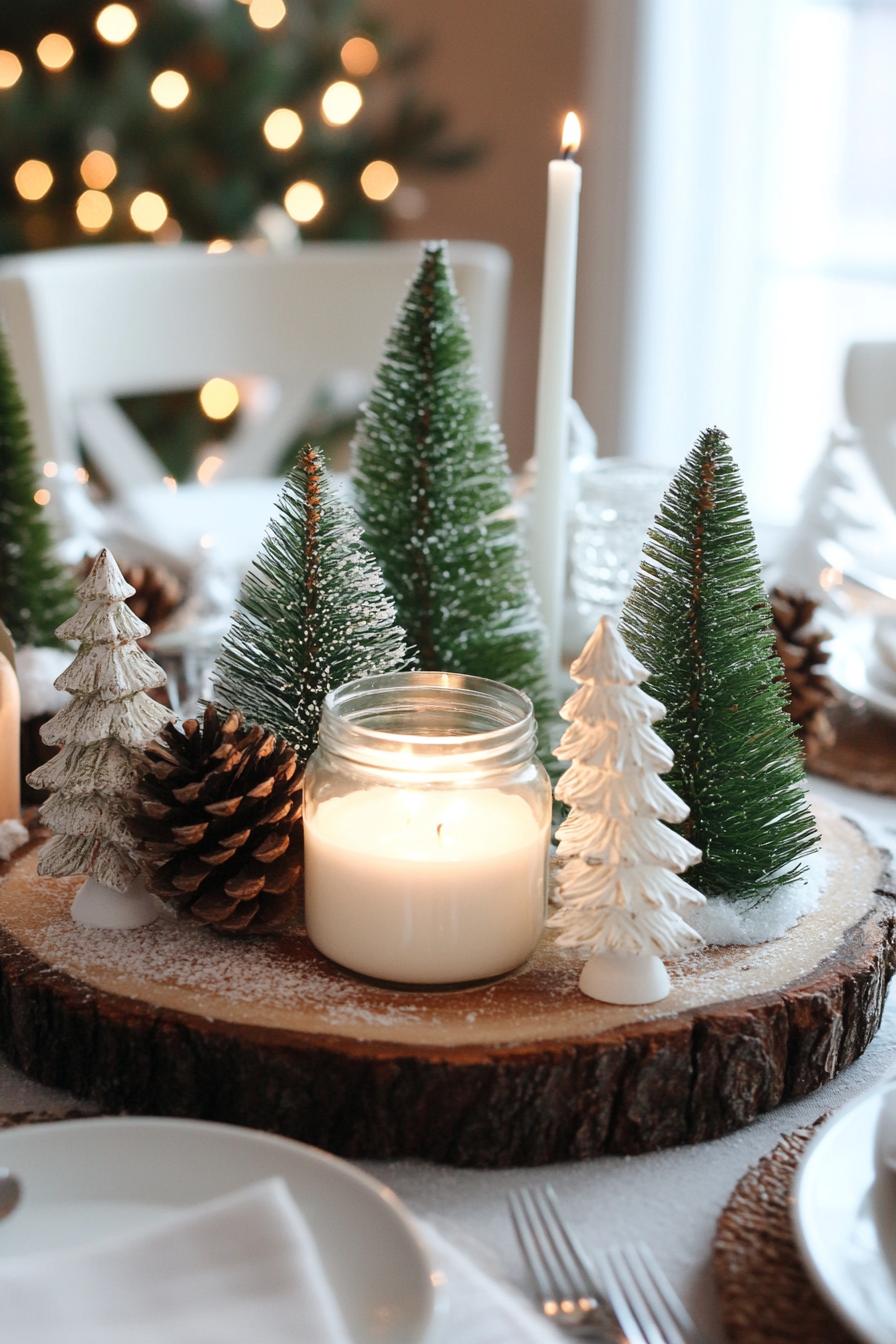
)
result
[(186, 118)]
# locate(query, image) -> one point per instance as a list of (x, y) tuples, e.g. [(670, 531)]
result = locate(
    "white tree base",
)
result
[(101, 907), (617, 977)]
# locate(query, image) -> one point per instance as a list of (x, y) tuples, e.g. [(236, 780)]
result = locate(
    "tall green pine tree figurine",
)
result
[(35, 593), (699, 616), (312, 613), (433, 493)]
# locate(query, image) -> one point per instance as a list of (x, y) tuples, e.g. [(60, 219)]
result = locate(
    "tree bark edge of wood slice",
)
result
[(626, 1088)]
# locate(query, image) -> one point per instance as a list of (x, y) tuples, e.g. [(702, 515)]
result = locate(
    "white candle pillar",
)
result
[(548, 509), (10, 728)]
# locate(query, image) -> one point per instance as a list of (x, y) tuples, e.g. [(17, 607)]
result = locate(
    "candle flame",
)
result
[(572, 134)]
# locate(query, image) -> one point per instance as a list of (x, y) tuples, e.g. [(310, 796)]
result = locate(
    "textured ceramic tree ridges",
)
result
[(312, 613), (101, 730), (617, 885), (699, 618)]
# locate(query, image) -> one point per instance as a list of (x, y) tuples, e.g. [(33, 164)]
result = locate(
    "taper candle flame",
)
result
[(572, 135)]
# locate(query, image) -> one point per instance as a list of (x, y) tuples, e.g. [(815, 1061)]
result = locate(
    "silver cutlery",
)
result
[(10, 1192), (621, 1296), (565, 1284)]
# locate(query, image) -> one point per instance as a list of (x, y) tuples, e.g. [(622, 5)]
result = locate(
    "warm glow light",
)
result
[(98, 169), (303, 201), (207, 541), (282, 128), (378, 180), (51, 469), (169, 482), (169, 89), (116, 24), (41, 497), (830, 578), (219, 398), (219, 245), (359, 56), (572, 134), (33, 179), (148, 211), (10, 69), (94, 210), (210, 466), (267, 13), (82, 475), (54, 51), (340, 102)]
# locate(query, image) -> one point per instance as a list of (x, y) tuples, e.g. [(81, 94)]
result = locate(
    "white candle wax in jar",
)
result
[(427, 825), (555, 358), (427, 886)]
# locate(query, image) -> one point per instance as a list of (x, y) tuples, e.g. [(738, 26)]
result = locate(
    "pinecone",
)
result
[(800, 646), (158, 592), (219, 823)]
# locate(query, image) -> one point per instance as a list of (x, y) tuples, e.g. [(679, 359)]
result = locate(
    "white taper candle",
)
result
[(548, 510)]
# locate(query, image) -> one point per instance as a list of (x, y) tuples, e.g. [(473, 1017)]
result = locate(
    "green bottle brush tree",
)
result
[(699, 619)]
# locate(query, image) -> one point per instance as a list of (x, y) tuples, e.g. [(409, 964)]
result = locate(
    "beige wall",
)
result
[(506, 70)]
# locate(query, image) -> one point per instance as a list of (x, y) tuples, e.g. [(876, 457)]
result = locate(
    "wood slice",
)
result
[(863, 753), (176, 1020)]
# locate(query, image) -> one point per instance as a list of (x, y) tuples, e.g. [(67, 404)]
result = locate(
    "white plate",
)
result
[(86, 1179), (845, 1222)]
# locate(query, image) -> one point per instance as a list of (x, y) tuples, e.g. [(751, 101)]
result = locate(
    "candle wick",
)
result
[(439, 830), (568, 152)]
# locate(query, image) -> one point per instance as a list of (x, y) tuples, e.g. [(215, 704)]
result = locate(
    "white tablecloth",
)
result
[(670, 1199)]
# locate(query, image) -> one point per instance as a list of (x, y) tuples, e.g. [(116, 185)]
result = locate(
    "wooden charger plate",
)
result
[(175, 1020)]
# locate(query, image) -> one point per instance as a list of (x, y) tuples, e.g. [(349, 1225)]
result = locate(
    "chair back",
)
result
[(87, 325)]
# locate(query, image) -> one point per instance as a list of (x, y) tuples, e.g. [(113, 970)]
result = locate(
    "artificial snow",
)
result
[(12, 836), (725, 921), (36, 670)]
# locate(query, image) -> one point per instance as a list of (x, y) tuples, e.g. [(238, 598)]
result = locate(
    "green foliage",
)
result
[(208, 157), (36, 593), (433, 493), (698, 617), (312, 613)]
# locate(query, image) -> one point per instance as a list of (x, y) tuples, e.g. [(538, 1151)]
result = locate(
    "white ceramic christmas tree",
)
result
[(103, 728), (618, 889)]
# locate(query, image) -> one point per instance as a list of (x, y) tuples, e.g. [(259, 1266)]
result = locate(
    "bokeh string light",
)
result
[(303, 201), (169, 89), (219, 398), (219, 245), (267, 13), (10, 69), (378, 180), (98, 169), (55, 51), (148, 211), (359, 56), (341, 102), (93, 210), (282, 128), (116, 24), (33, 179)]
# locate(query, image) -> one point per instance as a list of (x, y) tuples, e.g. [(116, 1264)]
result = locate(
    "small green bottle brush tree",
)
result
[(36, 594), (699, 618), (432, 488), (312, 613)]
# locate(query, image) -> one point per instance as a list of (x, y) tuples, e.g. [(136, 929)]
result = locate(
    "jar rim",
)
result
[(506, 735)]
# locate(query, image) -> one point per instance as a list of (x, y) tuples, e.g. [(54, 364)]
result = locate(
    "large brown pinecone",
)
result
[(801, 647), (219, 811)]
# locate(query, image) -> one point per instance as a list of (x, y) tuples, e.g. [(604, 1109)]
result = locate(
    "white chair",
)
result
[(88, 325), (869, 390)]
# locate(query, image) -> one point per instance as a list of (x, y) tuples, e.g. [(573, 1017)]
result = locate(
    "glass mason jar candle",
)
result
[(427, 824)]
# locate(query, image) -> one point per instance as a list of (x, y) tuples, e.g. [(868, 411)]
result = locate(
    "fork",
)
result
[(642, 1298), (564, 1280), (633, 1301)]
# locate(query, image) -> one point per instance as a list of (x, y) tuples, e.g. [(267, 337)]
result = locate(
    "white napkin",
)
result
[(240, 1269)]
